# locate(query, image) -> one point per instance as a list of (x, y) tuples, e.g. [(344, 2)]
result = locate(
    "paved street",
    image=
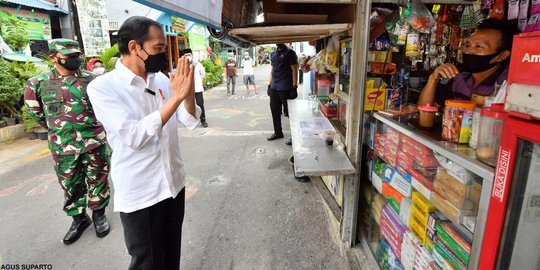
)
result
[(244, 210)]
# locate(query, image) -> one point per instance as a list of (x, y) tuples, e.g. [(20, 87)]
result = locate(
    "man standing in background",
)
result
[(283, 80), (230, 72), (199, 88), (58, 101), (249, 77)]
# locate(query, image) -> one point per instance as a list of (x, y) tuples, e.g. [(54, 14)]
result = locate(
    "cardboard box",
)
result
[(393, 99), (422, 203), (380, 56), (375, 98), (454, 214), (377, 68), (397, 181), (457, 200), (452, 183)]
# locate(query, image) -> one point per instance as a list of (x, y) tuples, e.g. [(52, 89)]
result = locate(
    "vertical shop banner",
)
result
[(197, 36), (179, 25), (94, 26), (38, 25), (207, 12)]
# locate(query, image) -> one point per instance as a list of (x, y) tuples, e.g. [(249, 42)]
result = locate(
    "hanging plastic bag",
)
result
[(420, 19)]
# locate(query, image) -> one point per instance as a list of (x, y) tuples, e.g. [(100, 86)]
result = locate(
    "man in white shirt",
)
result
[(199, 77), (249, 77), (140, 109)]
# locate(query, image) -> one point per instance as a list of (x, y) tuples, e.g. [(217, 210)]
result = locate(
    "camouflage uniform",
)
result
[(76, 139)]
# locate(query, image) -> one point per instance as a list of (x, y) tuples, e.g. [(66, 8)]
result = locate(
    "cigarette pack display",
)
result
[(426, 161), (397, 181), (377, 182), (441, 261), (449, 256), (370, 137), (454, 242), (405, 210), (375, 94), (404, 160), (421, 188), (379, 144), (417, 228), (390, 152), (434, 219), (458, 201), (393, 217), (414, 148), (451, 182), (408, 250), (389, 191), (422, 203), (393, 136), (469, 222), (424, 181), (386, 258), (380, 165), (391, 241), (454, 214), (420, 216), (404, 173)]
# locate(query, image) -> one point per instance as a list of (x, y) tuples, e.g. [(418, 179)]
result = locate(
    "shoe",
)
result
[(79, 224), (101, 224), (288, 142), (275, 137), (204, 124), (232, 93)]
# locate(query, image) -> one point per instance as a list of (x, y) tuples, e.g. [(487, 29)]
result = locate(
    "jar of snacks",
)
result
[(457, 120), (489, 139), (427, 115)]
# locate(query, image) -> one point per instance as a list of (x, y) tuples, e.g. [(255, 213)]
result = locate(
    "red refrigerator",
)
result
[(512, 232)]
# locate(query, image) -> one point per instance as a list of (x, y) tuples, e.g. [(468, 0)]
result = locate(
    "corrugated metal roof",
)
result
[(36, 4)]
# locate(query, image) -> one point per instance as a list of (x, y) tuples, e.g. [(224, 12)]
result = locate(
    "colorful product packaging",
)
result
[(375, 97)]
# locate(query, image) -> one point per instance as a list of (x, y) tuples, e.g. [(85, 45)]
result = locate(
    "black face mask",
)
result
[(70, 63), (155, 62), (477, 63)]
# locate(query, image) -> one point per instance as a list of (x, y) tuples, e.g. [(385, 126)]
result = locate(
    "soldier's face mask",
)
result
[(154, 62), (71, 63)]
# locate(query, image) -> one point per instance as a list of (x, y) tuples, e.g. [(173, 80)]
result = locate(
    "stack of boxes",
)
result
[(421, 209), (392, 229), (454, 197)]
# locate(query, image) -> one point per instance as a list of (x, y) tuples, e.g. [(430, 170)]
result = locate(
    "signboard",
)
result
[(178, 24), (38, 25), (197, 36), (94, 26), (207, 12)]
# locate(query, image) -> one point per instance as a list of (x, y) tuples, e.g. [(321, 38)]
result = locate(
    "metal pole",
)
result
[(360, 43)]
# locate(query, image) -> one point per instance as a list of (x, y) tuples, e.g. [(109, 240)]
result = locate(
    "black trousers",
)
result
[(153, 235), (200, 102), (278, 99)]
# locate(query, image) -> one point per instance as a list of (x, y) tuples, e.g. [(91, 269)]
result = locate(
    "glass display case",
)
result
[(427, 199)]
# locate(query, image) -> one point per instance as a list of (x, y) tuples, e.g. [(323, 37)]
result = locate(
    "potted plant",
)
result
[(42, 133), (29, 125)]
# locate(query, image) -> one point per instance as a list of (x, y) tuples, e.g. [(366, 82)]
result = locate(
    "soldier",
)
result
[(59, 102)]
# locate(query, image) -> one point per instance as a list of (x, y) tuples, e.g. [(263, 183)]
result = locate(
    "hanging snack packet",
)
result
[(420, 19)]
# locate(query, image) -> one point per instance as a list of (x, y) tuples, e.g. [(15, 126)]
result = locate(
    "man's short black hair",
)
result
[(187, 50), (135, 28), (507, 29)]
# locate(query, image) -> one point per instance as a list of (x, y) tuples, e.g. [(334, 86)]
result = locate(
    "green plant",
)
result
[(109, 58), (15, 33), (11, 88), (28, 121), (213, 73)]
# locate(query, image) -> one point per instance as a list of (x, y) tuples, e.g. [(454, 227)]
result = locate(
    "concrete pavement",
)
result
[(244, 210)]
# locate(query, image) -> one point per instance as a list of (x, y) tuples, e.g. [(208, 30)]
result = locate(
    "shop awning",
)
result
[(288, 33), (204, 12), (37, 4)]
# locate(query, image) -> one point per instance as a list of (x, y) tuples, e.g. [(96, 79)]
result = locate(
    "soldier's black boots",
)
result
[(79, 224), (100, 223)]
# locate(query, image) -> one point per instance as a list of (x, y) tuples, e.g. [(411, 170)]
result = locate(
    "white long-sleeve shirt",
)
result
[(199, 75), (146, 164)]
